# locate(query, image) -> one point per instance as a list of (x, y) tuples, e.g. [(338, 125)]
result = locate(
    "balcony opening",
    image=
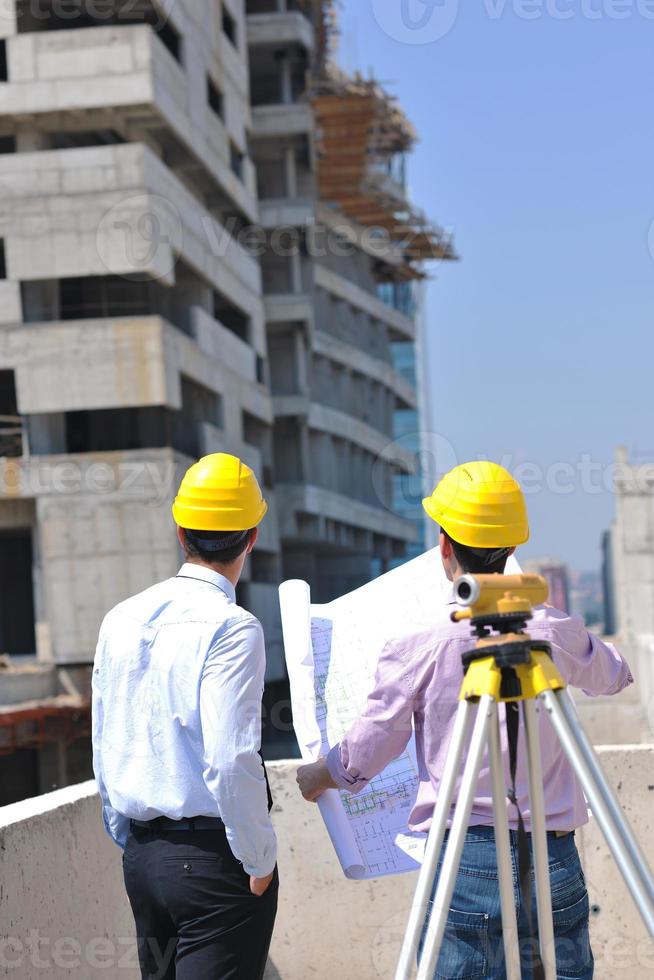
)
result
[(231, 316), (115, 429), (7, 143), (278, 76), (53, 15), (236, 160), (3, 261), (271, 178), (104, 296), (171, 39), (91, 137), (200, 405), (229, 27), (11, 432), (276, 274), (17, 635), (259, 434), (272, 6), (100, 297), (4, 66), (153, 427), (215, 99), (283, 361), (289, 459)]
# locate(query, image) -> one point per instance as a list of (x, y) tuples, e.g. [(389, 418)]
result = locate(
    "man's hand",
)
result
[(259, 886), (314, 779)]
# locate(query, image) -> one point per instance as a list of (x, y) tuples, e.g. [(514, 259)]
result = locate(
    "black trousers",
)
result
[(196, 918)]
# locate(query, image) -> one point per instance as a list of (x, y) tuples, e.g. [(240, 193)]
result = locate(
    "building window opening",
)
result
[(17, 634), (229, 28), (91, 137), (237, 159), (215, 99), (11, 432), (231, 316), (171, 39)]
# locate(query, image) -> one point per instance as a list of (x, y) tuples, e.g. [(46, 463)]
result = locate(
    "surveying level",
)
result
[(511, 667)]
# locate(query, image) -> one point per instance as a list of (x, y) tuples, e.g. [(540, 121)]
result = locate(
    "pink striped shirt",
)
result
[(418, 678)]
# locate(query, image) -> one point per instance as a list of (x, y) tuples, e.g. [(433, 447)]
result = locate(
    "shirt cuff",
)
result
[(262, 871), (339, 773)]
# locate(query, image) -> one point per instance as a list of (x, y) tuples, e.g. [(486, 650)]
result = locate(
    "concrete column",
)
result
[(47, 433), (281, 6), (285, 81), (305, 454), (301, 372), (290, 167), (296, 272), (349, 395)]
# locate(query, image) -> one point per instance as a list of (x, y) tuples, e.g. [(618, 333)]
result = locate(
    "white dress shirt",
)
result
[(177, 686)]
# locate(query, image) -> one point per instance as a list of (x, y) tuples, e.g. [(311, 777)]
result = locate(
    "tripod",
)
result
[(511, 668)]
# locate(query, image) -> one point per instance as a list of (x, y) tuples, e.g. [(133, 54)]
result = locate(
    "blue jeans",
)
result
[(472, 946)]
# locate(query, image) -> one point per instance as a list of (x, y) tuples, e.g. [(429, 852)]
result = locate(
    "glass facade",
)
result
[(408, 489)]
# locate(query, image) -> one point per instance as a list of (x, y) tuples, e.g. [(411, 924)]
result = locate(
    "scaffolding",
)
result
[(34, 724), (323, 14), (362, 132)]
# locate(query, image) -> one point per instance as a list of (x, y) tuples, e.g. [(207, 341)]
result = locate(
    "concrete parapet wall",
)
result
[(62, 901)]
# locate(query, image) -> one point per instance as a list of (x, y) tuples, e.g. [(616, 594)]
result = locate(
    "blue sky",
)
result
[(537, 150)]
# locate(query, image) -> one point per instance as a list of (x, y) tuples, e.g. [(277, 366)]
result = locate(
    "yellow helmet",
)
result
[(480, 505), (219, 493)]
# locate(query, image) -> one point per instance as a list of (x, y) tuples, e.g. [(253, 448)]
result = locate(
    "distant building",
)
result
[(557, 577), (608, 584), (408, 422), (632, 546)]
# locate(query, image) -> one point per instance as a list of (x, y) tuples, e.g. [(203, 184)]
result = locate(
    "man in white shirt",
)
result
[(177, 687)]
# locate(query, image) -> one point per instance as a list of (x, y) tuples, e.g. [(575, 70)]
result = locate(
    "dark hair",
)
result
[(214, 553), (479, 561)]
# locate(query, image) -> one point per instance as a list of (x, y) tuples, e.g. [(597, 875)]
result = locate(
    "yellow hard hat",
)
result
[(219, 493), (480, 505)]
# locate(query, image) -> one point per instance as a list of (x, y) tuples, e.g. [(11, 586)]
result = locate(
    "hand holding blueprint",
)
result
[(332, 652)]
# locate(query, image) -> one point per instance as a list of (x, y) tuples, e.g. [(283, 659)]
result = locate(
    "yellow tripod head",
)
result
[(510, 666), (498, 595)]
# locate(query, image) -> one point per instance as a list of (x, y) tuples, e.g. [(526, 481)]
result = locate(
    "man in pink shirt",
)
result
[(482, 516)]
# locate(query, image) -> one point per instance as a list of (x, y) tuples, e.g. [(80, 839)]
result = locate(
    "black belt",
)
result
[(550, 833), (188, 823)]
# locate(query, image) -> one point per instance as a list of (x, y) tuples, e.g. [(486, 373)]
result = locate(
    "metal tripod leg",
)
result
[(462, 726), (452, 858), (503, 848), (539, 842), (606, 809)]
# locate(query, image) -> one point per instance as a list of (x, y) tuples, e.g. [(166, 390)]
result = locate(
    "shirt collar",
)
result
[(204, 574)]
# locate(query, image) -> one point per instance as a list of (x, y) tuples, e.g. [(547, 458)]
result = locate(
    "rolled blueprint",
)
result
[(295, 601)]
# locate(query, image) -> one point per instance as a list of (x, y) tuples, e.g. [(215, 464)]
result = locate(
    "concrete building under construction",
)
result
[(205, 244)]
